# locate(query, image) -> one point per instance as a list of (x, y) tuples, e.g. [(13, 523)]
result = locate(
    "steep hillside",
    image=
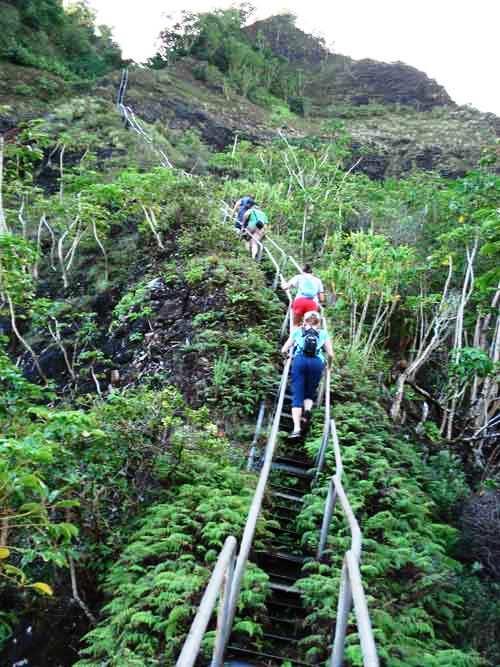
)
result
[(138, 339)]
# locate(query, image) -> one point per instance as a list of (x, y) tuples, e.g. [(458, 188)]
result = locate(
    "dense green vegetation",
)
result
[(228, 57), (137, 340), (40, 33)]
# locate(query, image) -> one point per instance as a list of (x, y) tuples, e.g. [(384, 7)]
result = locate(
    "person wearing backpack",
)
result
[(310, 293), (240, 208), (254, 222), (310, 344)]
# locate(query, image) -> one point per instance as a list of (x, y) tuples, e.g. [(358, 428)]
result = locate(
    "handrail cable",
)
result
[(129, 117), (255, 508)]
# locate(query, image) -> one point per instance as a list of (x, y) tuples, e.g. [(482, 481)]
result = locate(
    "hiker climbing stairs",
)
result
[(285, 475)]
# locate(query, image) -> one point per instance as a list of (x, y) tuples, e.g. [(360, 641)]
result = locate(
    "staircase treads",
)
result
[(285, 579), (287, 496), (281, 555), (275, 586), (280, 488), (280, 606), (292, 627), (292, 470), (288, 460), (258, 657)]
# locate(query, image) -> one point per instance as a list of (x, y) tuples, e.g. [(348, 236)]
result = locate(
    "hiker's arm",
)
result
[(287, 345), (286, 284), (321, 297), (236, 208)]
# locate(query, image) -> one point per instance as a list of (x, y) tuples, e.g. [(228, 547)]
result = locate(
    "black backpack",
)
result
[(311, 340)]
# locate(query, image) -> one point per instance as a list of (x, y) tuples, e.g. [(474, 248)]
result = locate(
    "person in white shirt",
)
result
[(310, 293)]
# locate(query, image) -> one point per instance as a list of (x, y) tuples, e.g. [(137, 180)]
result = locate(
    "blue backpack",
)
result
[(307, 287), (245, 203)]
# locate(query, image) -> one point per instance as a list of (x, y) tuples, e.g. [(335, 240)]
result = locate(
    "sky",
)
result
[(456, 42)]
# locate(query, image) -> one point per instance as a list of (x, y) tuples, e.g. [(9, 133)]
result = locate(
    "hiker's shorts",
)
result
[(300, 306)]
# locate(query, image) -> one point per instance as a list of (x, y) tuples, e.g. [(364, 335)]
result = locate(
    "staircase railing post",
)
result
[(327, 517), (258, 427), (343, 608), (222, 631), (365, 632), (190, 650)]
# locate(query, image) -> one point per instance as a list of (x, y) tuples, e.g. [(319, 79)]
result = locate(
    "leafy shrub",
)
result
[(66, 43), (156, 584), (23, 89), (407, 569)]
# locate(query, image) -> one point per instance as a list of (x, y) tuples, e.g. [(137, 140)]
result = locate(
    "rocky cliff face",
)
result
[(399, 118), (368, 81)]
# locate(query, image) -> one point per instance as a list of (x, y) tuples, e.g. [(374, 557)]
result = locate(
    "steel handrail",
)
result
[(351, 587), (219, 586), (234, 581), (129, 117), (256, 506)]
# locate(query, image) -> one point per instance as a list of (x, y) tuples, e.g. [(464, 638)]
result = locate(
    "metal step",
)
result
[(287, 496), (296, 608), (282, 555), (276, 586), (262, 659), (286, 459), (280, 488), (293, 470)]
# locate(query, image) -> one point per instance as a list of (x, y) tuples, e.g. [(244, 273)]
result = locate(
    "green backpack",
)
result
[(257, 218)]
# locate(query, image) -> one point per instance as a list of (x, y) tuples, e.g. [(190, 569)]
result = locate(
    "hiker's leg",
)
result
[(255, 249), (297, 313), (298, 377), (314, 371), (296, 416)]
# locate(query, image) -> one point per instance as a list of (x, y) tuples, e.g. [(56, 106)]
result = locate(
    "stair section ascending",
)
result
[(282, 560)]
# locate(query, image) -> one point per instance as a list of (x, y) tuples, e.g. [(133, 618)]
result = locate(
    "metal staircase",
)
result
[(282, 559), (286, 475)]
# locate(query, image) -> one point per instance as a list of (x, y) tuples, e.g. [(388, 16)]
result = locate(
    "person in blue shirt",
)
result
[(240, 208), (310, 345)]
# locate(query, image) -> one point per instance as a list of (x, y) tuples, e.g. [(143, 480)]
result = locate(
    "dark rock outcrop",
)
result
[(390, 83), (480, 522)]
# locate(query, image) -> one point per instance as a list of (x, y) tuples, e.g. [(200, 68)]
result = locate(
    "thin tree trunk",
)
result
[(3, 223), (61, 172), (21, 339), (467, 287), (303, 237), (56, 335), (151, 220), (60, 253), (438, 327), (76, 596), (98, 241), (4, 531), (359, 329), (20, 217)]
